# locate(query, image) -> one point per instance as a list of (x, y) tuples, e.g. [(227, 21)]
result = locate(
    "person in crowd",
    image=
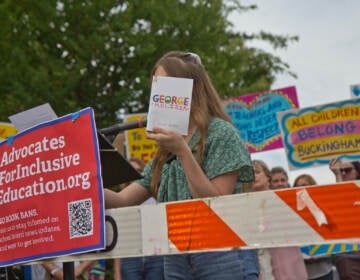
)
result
[(211, 160), (84, 270), (304, 180), (280, 263), (139, 268), (345, 170), (279, 178), (97, 270), (347, 264), (318, 268)]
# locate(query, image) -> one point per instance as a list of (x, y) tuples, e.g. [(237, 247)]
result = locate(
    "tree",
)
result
[(75, 54)]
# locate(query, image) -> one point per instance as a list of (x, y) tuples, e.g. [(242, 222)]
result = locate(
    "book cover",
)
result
[(170, 103)]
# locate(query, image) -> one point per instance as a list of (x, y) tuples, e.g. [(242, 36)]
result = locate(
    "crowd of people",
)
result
[(212, 160)]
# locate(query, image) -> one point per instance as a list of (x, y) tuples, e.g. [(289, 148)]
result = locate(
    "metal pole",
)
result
[(69, 270)]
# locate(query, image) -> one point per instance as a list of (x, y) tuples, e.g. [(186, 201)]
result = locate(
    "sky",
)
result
[(326, 58)]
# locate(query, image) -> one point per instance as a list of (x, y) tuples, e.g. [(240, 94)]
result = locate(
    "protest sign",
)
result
[(254, 115), (170, 103), (6, 130), (51, 193), (36, 115), (314, 135), (137, 145), (329, 249)]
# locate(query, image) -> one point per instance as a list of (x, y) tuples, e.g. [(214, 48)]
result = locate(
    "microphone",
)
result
[(115, 129)]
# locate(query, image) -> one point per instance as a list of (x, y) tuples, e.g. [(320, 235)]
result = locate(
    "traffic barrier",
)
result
[(325, 214)]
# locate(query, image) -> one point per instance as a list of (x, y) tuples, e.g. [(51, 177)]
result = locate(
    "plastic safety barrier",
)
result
[(325, 214)]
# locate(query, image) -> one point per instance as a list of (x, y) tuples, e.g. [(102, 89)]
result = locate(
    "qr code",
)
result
[(80, 218)]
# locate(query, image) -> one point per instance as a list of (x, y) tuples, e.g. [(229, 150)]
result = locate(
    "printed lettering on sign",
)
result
[(51, 190)]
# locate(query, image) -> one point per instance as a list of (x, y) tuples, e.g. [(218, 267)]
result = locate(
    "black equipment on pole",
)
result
[(116, 128)]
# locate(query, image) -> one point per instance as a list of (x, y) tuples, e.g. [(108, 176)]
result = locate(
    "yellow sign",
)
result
[(137, 145), (6, 130), (315, 135)]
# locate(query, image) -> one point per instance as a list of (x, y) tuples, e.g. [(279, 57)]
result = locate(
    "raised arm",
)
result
[(334, 166)]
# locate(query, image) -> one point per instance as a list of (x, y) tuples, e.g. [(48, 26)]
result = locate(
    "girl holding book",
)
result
[(211, 160)]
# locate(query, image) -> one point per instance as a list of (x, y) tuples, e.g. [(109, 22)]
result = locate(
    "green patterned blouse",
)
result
[(224, 152)]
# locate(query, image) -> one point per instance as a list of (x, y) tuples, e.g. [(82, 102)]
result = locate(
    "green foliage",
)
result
[(75, 54)]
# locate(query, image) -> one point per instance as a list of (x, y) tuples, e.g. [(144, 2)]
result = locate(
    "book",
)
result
[(170, 103)]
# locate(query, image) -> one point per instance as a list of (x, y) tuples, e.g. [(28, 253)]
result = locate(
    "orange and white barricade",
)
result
[(288, 217)]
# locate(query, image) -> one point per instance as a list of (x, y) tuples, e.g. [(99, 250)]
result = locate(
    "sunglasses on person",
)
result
[(346, 170)]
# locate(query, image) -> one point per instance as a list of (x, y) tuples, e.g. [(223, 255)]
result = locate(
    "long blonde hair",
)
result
[(205, 102)]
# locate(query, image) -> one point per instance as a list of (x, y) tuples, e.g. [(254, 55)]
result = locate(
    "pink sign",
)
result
[(255, 116), (51, 195)]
